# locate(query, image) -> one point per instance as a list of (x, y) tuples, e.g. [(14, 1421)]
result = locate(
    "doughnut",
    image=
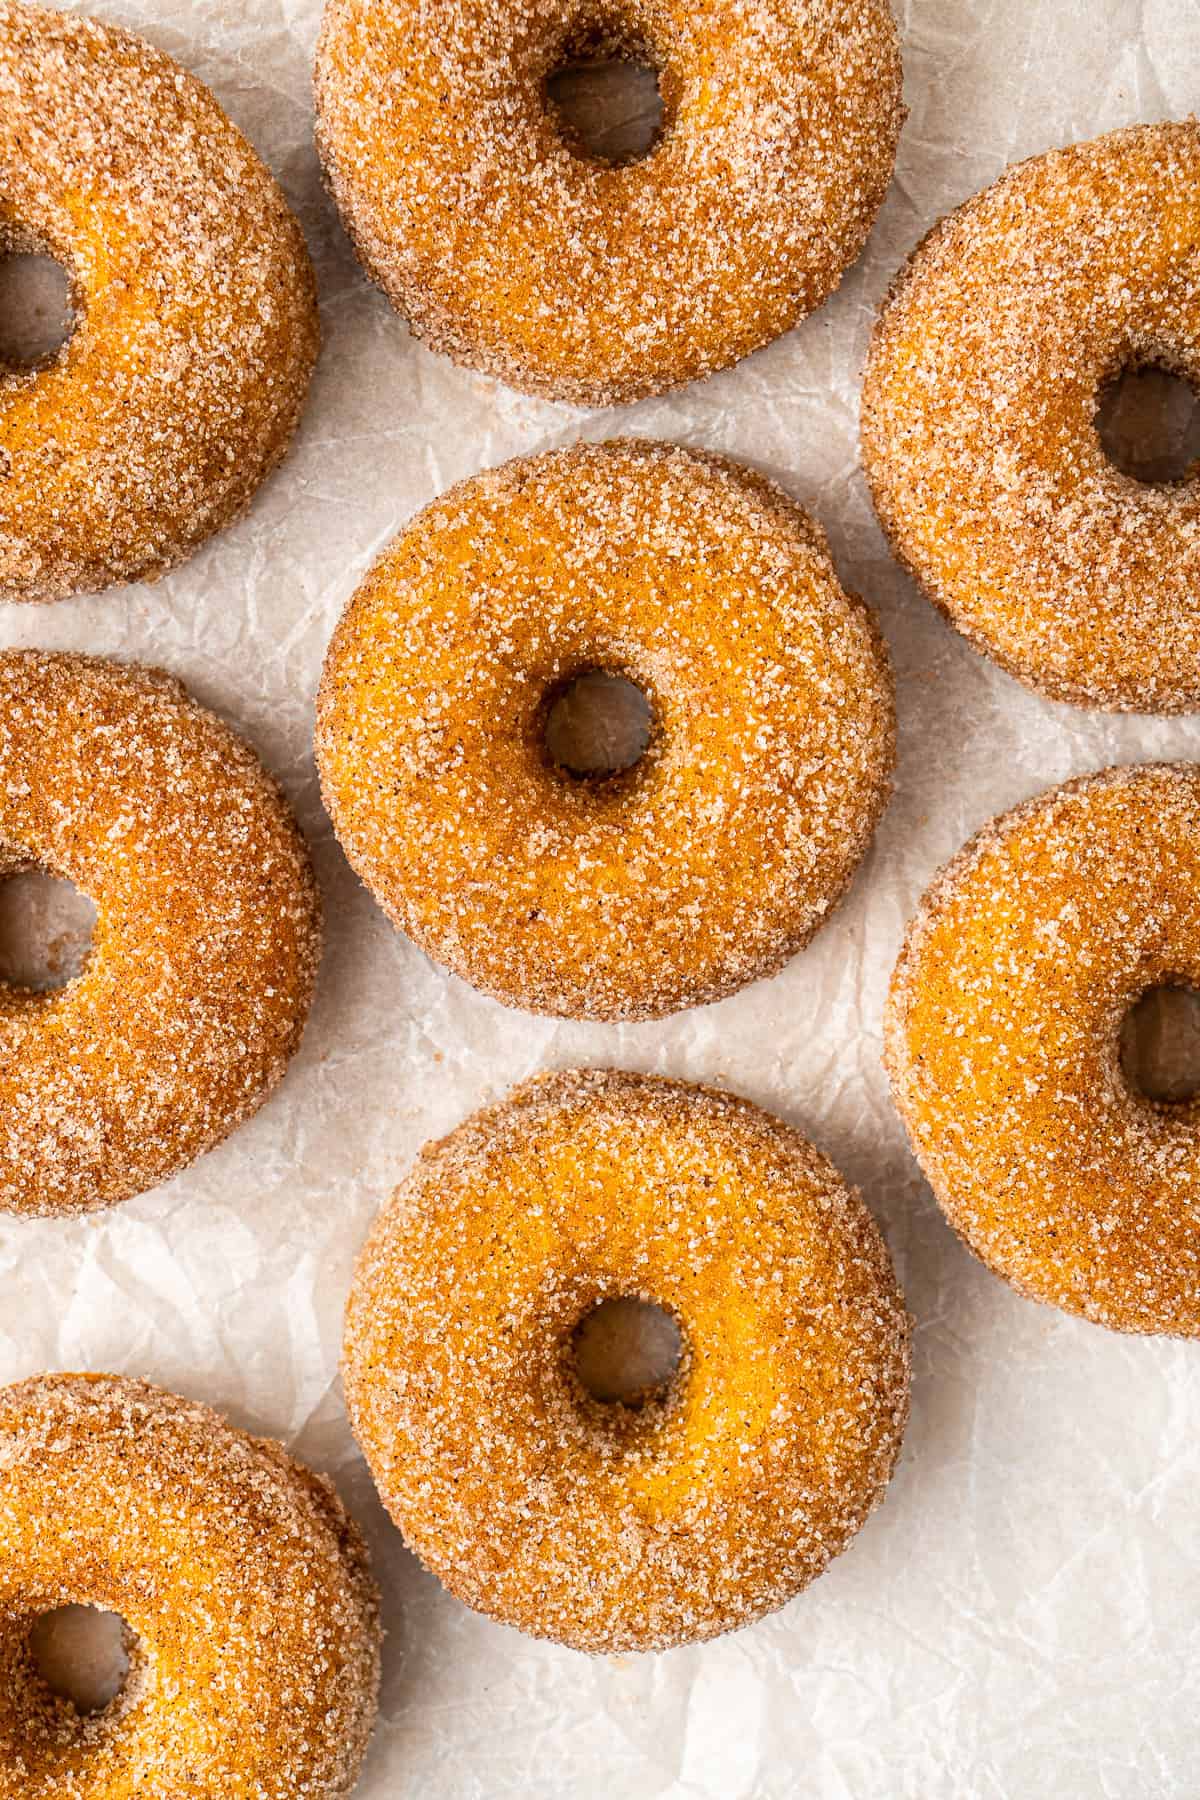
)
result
[(251, 1619), (979, 435), (700, 1507), (509, 248), (195, 310), (701, 868), (1002, 1042), (204, 954)]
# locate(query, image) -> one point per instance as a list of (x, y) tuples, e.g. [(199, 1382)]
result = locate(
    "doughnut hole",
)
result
[(627, 1352), (37, 308), (1160, 1045), (605, 96), (65, 1680), (46, 928), (597, 724), (1148, 423), (81, 1653)]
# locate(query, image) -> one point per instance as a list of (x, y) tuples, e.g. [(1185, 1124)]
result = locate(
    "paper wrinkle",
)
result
[(1019, 1617)]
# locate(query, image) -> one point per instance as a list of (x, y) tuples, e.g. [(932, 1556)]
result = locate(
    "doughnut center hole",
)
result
[(607, 101), (598, 724), (1148, 421), (37, 309), (627, 1352), (81, 1653), (1160, 1045), (46, 927)]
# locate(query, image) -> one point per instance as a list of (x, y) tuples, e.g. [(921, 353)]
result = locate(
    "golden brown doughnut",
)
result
[(605, 1526), (196, 324), (979, 420), (206, 944), (1003, 1032), (711, 861), (513, 251), (252, 1619)]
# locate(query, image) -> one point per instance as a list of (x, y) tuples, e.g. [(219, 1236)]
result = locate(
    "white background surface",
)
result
[(1021, 1617)]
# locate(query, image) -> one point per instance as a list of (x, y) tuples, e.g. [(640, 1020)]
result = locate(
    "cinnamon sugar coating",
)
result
[(719, 854), (196, 323), (253, 1622), (512, 250), (206, 944), (979, 420), (604, 1526), (1003, 1032)]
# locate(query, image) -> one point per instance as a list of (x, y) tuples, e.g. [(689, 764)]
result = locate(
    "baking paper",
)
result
[(1021, 1618)]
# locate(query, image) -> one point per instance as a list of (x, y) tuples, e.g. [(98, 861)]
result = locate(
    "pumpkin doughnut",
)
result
[(979, 420), (205, 949), (609, 1526), (514, 251), (195, 307), (252, 1625), (712, 860), (1003, 1034)]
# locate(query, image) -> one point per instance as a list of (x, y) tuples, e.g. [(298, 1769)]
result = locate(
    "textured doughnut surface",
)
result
[(979, 433), (196, 325), (1003, 1035), (512, 250), (720, 853), (604, 1526), (206, 943), (252, 1620)]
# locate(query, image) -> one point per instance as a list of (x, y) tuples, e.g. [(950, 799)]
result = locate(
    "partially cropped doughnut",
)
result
[(204, 954), (716, 856), (610, 1526), (1003, 1044), (251, 1619), (513, 250), (195, 310), (980, 439)]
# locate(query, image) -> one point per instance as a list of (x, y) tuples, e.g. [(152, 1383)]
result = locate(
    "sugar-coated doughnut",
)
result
[(207, 938), (514, 251), (713, 859), (252, 1621), (196, 324), (1003, 1036), (979, 420), (603, 1525)]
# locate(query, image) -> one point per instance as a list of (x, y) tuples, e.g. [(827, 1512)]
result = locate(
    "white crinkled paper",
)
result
[(1021, 1618)]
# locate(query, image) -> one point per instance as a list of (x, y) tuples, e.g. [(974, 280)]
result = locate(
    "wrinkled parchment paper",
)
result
[(1021, 1618)]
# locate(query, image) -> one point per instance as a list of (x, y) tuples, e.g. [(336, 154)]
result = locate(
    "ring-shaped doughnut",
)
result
[(1003, 1045), (252, 1625), (603, 1526), (513, 251), (980, 436), (204, 953), (195, 310), (704, 866)]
